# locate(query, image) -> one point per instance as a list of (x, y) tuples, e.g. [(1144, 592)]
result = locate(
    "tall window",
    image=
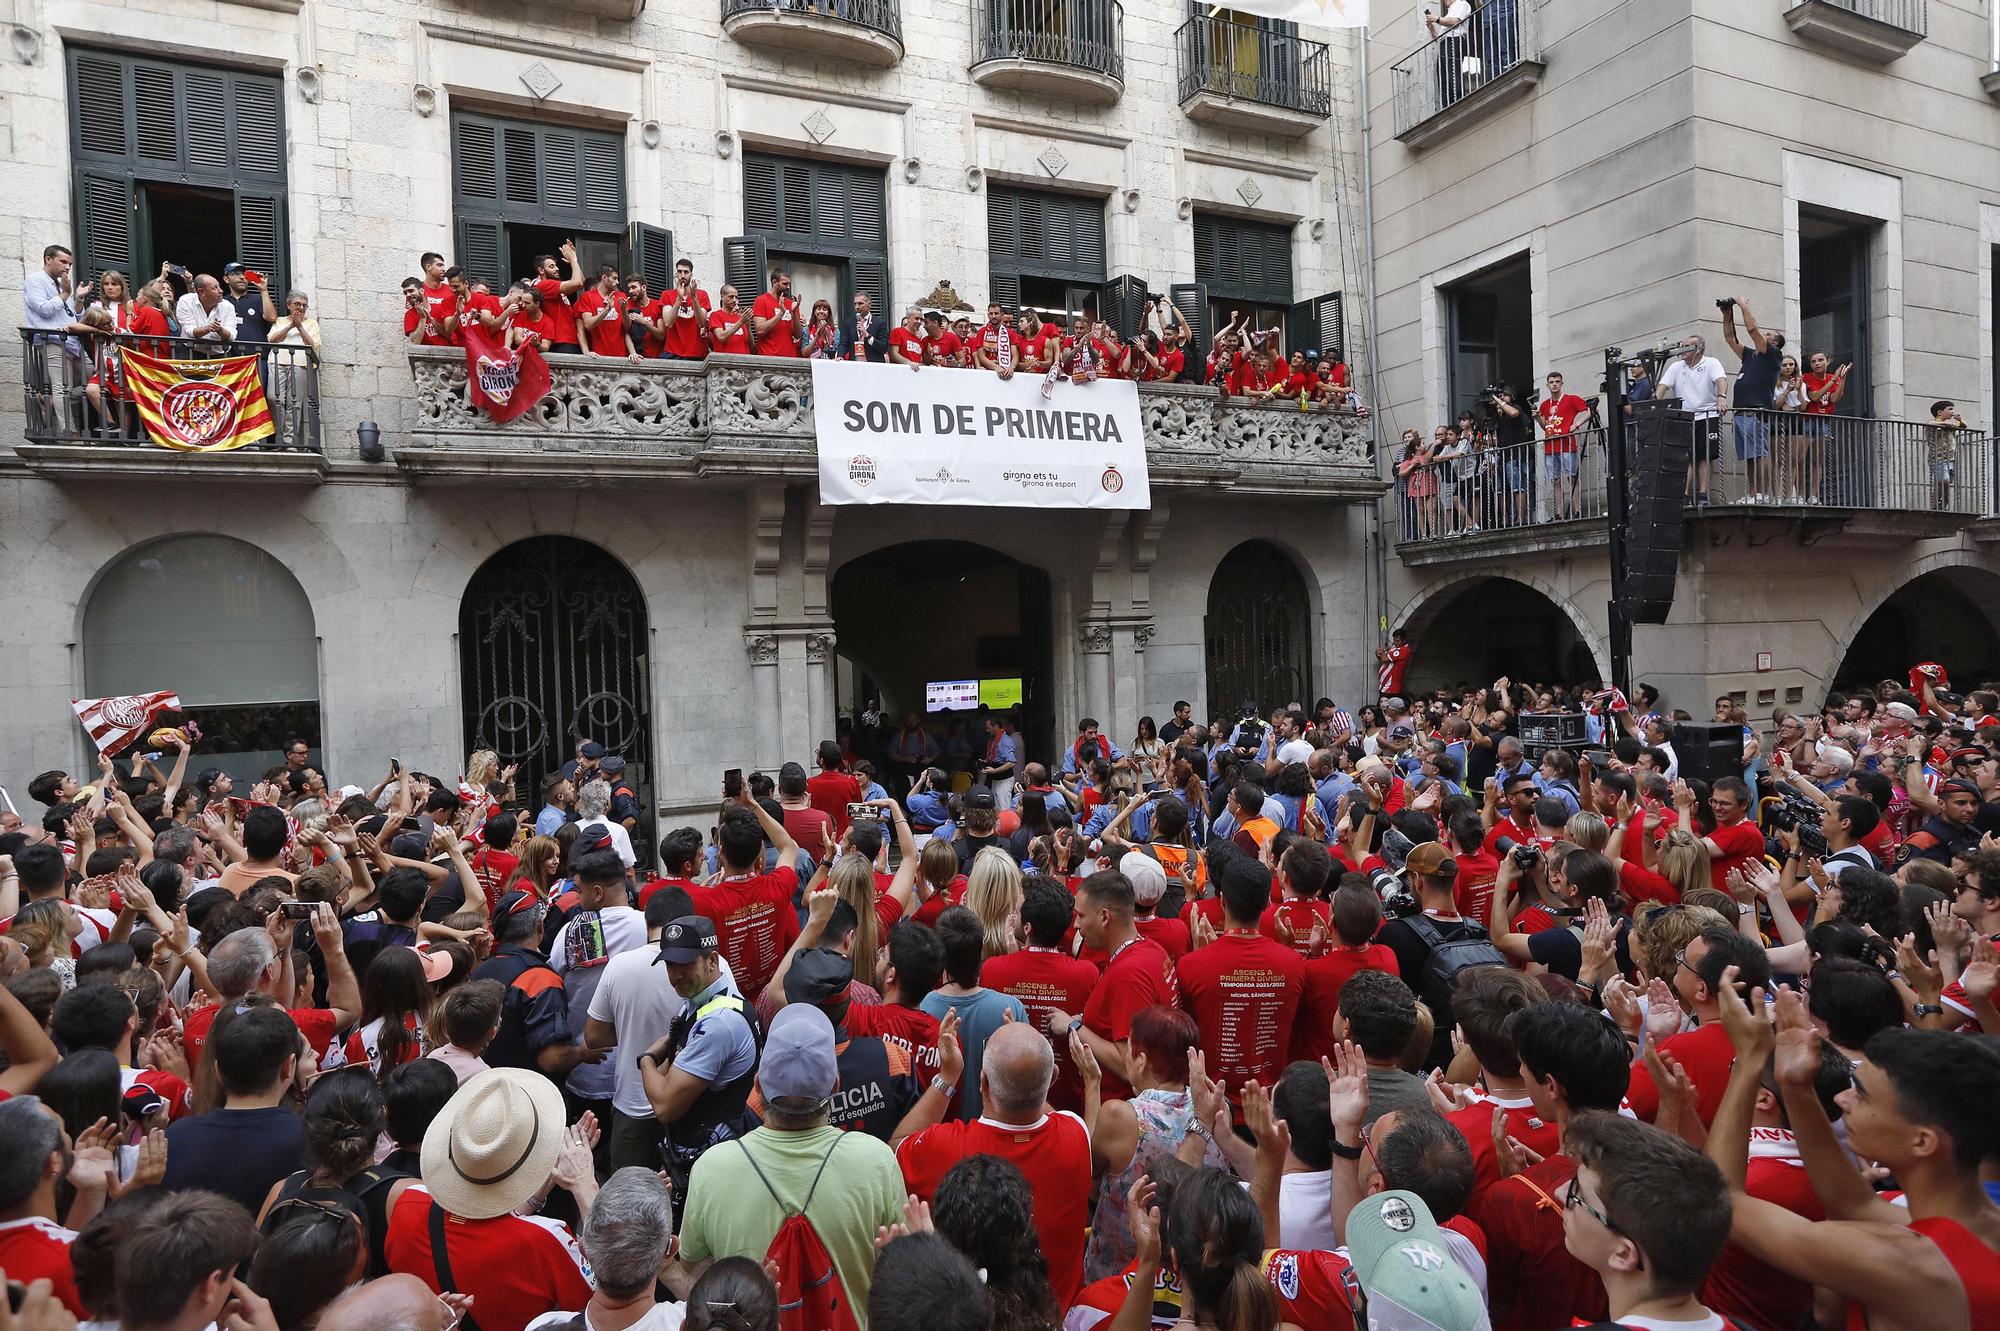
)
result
[(1258, 631), (1246, 267), (1492, 334), (1046, 250), (1833, 299), (520, 190), (225, 625), (176, 162), (826, 223)]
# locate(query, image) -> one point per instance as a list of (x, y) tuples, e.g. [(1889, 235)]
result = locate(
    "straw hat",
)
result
[(494, 1143)]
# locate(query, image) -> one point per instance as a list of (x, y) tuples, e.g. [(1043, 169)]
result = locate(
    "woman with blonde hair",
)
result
[(482, 770), (993, 893), (937, 870), (875, 912), (1682, 865)]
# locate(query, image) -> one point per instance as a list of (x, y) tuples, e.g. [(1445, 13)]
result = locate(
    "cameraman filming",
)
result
[(1414, 935), (1511, 430)]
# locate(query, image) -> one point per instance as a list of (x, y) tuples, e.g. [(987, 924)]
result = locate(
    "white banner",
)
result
[(891, 435), (1317, 13)]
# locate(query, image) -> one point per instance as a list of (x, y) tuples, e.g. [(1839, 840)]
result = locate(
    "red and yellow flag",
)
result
[(199, 406)]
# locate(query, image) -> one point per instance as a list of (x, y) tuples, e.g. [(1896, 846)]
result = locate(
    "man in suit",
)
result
[(865, 335)]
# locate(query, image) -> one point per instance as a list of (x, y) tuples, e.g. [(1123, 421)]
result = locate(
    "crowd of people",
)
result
[(1306, 1019)]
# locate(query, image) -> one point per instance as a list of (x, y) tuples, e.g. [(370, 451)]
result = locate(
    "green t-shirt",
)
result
[(730, 1213)]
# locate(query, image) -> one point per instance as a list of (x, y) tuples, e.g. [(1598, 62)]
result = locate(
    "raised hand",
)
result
[(916, 1220), (1979, 978), (1446, 1097), (1663, 1012), (1749, 1031), (1510, 1154), (1081, 1054), (1144, 1218), (1676, 1088), (151, 1166), (1346, 1086), (951, 1059)]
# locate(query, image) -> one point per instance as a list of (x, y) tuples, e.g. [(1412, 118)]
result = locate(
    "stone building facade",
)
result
[(331, 142)]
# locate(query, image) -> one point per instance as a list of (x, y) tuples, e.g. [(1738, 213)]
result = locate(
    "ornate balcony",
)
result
[(732, 417), (1068, 49), (1878, 31), (862, 32), (1241, 76)]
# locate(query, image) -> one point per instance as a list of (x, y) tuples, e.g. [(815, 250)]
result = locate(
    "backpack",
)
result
[(1449, 957), (810, 1294)]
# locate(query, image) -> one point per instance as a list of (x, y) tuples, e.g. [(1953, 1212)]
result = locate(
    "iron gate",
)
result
[(552, 646), (1257, 632)]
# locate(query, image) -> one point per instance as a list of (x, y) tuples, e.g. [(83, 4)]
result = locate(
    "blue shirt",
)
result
[(47, 307), (929, 807), (980, 1013), (1005, 751), (721, 1047), (1334, 789), (550, 820)]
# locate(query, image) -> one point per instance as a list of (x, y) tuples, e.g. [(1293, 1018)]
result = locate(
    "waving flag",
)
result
[(114, 723), (504, 384), (1317, 13), (199, 406)]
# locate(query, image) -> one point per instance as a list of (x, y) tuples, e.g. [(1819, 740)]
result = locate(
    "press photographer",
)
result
[(1505, 415)]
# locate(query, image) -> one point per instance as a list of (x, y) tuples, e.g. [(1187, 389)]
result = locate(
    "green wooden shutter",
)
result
[(156, 114), (1003, 224), (649, 254), (257, 127), (867, 208), (872, 276), (743, 266), (480, 250), (761, 211), (99, 109), (104, 224), (1191, 299), (260, 236), (1244, 260), (1125, 305), (1005, 288)]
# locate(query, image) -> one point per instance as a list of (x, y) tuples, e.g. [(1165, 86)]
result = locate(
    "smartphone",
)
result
[(732, 783), (587, 946), (863, 813), (396, 766), (17, 1294), (298, 910)]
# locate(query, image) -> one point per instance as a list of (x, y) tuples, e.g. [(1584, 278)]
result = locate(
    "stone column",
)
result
[(763, 651), (820, 701), (1094, 644)]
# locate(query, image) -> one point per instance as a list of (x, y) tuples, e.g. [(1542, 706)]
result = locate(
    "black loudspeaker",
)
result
[(1708, 749), (1655, 488), (1542, 731)]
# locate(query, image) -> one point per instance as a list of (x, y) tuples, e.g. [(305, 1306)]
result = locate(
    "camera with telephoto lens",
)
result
[(1526, 853), (1726, 303), (1801, 814), (1397, 900)]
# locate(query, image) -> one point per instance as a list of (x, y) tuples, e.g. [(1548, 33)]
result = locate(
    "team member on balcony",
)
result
[(472, 303), (529, 320), (729, 327), (600, 313), (642, 318), (555, 290), (864, 335), (684, 316), (775, 316), (906, 340), (1558, 414), (1755, 387), (997, 346), (419, 327), (439, 297), (941, 345)]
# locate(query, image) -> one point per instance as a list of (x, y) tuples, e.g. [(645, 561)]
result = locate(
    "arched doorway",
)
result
[(553, 650), (1941, 616), (1473, 632), (1258, 631), (246, 667), (935, 612)]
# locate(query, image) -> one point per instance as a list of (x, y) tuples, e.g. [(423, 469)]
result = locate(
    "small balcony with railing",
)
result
[(82, 421), (1246, 76), (1861, 478), (1073, 50), (860, 32), (1467, 71), (1877, 31), (729, 418)]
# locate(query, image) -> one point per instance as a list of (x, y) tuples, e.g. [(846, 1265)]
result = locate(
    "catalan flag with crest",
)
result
[(199, 406)]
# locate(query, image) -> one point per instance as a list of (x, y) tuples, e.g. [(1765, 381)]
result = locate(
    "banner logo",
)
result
[(199, 412), (861, 469), (498, 380), (125, 711), (1112, 481)]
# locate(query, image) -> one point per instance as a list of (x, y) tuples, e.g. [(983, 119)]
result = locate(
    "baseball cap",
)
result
[(799, 1060), (1411, 1280), (1430, 859), (234, 266), (1395, 705), (979, 797), (820, 977), (686, 939), (1149, 880), (591, 750), (1402, 732)]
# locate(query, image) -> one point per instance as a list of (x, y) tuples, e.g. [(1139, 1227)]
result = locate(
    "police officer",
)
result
[(877, 1083), (699, 1075)]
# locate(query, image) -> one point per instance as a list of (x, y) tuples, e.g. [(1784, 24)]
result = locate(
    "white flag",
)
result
[(1315, 13)]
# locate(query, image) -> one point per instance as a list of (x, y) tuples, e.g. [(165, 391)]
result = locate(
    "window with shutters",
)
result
[(1246, 267), (1046, 250), (831, 218), (174, 161), (519, 190)]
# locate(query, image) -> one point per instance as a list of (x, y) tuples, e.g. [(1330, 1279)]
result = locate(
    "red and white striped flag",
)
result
[(114, 723)]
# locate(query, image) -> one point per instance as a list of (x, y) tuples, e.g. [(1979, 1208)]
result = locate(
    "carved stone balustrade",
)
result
[(654, 422)]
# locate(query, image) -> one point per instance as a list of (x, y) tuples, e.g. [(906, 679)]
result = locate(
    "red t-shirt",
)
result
[(1243, 991), (1506, 827), (544, 328), (1639, 883), (1172, 362), (1475, 1124), (944, 349), (1302, 915), (476, 303), (1739, 843), (434, 334), (734, 343), (556, 307), (1046, 980), (913, 1029), (516, 1267), (831, 793), (1472, 890), (34, 1249), (684, 336), (316, 1024), (754, 923), (1741, 1286), (608, 338), (783, 337), (1818, 383), (1053, 1154), (987, 339), (1311, 1288), (1170, 934), (1139, 976), (646, 892), (1532, 1281), (1319, 994), (651, 344), (1707, 1055), (809, 827), (906, 343), (493, 868), (442, 302), (1559, 417)]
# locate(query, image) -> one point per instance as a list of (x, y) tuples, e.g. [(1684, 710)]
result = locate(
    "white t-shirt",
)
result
[(1712, 1322), (1459, 13), (634, 996), (621, 840), (663, 1317), (1699, 387), (1295, 751), (1305, 1211), (624, 931)]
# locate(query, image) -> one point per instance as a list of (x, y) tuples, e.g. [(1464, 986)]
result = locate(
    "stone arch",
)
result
[(1258, 629), (1958, 579), (1421, 611)]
